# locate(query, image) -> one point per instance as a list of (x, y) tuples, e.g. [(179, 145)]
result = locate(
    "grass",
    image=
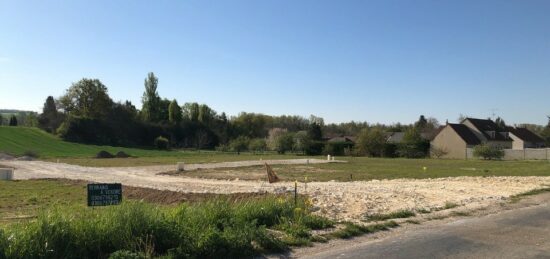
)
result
[(23, 199), (217, 228), (352, 230), (400, 214), (518, 197), (366, 169), (21, 140), (450, 205)]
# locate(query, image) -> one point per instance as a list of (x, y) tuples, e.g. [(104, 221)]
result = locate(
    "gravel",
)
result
[(338, 200)]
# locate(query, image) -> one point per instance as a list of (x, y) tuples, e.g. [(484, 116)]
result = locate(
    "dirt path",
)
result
[(339, 200)]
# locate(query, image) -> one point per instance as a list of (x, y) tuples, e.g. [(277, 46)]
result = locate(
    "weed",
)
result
[(412, 221), (212, 229), (518, 197), (393, 215), (450, 205), (423, 211), (351, 230), (460, 213)]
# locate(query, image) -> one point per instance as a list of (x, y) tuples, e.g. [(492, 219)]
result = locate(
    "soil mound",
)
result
[(104, 154), (4, 156)]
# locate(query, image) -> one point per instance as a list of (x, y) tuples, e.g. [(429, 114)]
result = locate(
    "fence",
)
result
[(518, 154)]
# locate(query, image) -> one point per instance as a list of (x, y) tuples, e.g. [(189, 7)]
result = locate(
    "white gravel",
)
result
[(338, 200)]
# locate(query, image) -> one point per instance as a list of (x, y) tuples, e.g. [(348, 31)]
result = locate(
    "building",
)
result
[(454, 140), (524, 138)]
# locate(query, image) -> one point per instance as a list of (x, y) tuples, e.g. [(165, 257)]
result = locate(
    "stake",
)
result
[(295, 193)]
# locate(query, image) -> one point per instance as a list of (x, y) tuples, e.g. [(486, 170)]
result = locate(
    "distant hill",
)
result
[(12, 111), (17, 140)]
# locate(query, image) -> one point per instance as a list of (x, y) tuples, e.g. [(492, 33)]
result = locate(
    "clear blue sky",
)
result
[(376, 61)]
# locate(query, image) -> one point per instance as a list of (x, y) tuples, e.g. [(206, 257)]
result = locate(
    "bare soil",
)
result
[(338, 200)]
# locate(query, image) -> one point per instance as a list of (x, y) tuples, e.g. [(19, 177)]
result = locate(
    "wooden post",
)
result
[(295, 193)]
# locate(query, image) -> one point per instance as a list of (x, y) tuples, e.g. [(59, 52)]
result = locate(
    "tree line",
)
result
[(86, 113)]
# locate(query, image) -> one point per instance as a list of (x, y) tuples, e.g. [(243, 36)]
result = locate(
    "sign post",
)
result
[(104, 194)]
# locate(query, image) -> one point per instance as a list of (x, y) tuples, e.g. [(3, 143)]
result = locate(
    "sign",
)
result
[(104, 194)]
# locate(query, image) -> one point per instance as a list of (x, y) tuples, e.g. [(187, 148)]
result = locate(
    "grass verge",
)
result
[(400, 214), (351, 230), (518, 197), (212, 229)]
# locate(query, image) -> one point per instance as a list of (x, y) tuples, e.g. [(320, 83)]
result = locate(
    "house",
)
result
[(454, 139), (394, 137), (342, 139), (397, 137), (524, 138)]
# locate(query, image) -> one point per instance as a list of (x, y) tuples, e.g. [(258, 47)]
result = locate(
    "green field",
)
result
[(364, 169), (18, 140)]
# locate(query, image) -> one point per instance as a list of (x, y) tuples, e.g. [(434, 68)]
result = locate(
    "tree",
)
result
[(545, 134), (151, 100), (488, 152), (273, 136), (1, 120), (174, 112), (421, 123), (314, 131), (257, 145), (50, 119), (239, 144), (438, 152), (413, 145), (371, 142), (501, 125), (284, 143), (13, 121), (87, 98), (302, 142), (191, 111)]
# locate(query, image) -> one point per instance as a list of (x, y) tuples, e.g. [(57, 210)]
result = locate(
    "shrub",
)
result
[(104, 154), (161, 143), (31, 153), (239, 144), (125, 254), (488, 152), (122, 154)]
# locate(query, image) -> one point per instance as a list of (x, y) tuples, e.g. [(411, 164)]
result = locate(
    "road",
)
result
[(518, 233)]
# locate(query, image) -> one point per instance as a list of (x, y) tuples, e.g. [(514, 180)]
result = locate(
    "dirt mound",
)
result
[(104, 154), (4, 156), (25, 158), (121, 154)]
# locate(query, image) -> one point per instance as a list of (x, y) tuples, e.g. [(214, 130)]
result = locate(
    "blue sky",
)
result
[(375, 61)]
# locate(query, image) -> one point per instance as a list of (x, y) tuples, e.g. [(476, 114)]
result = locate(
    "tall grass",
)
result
[(213, 229)]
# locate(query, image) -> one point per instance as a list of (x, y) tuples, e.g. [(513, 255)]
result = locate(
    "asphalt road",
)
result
[(519, 233)]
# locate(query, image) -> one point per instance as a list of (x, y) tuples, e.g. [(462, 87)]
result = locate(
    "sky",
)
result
[(376, 61)]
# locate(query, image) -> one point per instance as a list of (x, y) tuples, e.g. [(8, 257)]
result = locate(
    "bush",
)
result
[(104, 154), (161, 143), (239, 144), (31, 153), (488, 152), (125, 254), (122, 154)]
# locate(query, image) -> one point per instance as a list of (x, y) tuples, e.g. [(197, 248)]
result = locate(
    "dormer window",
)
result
[(491, 133)]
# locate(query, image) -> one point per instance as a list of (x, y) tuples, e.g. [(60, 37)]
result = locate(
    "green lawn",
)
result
[(18, 140), (363, 168)]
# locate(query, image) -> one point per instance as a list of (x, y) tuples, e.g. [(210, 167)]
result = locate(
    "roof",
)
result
[(465, 133), (342, 139), (488, 125), (525, 135), (395, 137)]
